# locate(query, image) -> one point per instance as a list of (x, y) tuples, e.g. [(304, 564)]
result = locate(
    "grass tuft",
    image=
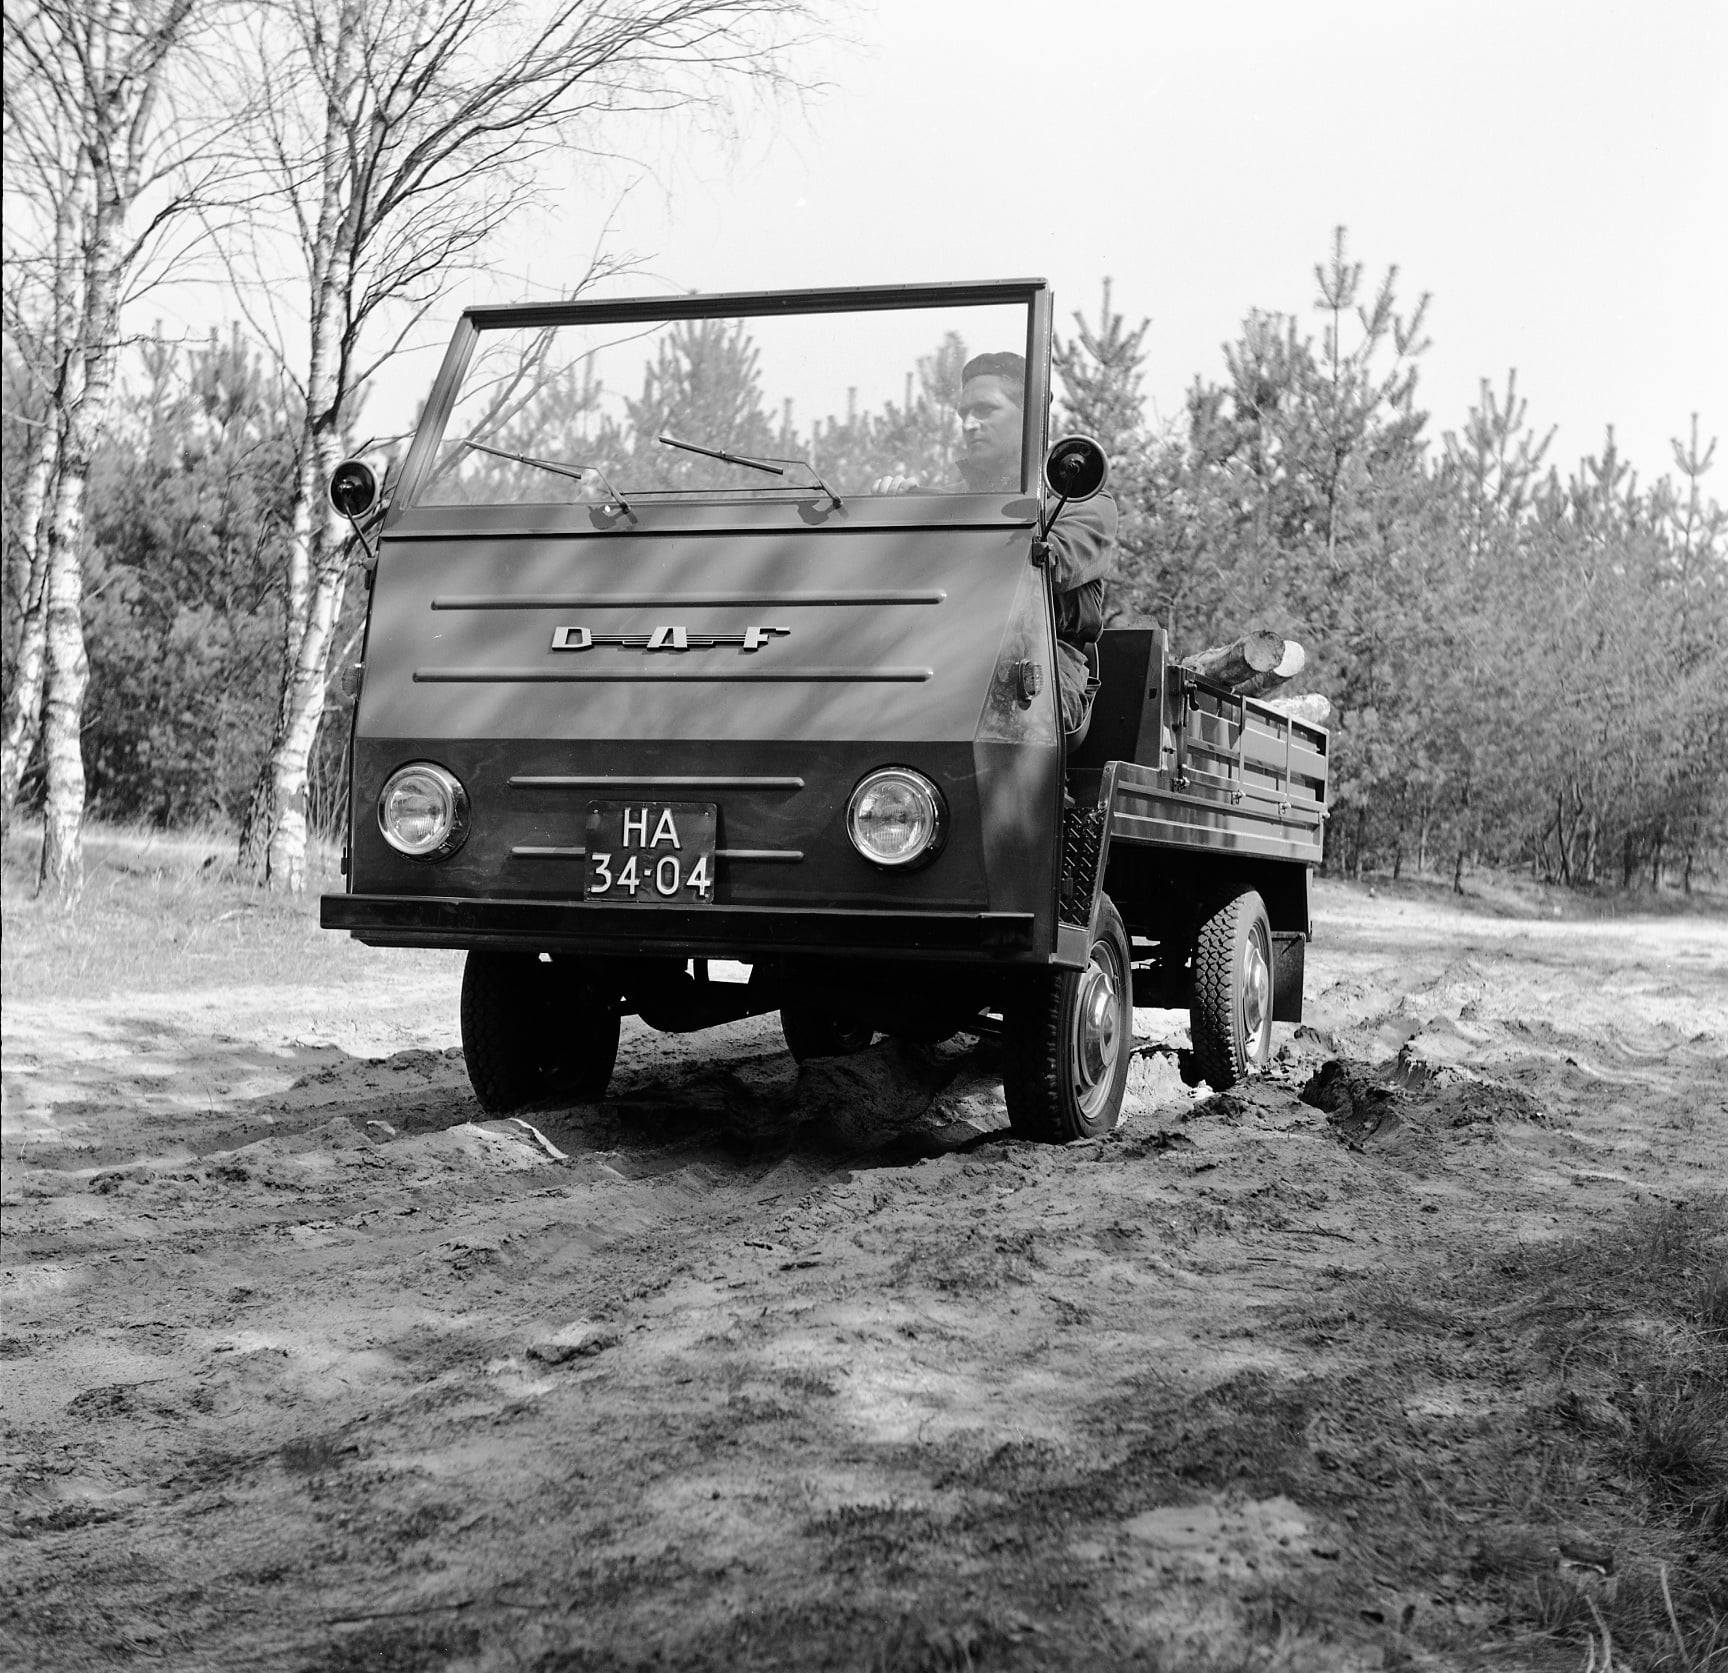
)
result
[(1678, 1442)]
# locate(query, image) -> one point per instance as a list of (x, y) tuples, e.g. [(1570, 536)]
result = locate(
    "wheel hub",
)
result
[(1256, 996), (1097, 1035)]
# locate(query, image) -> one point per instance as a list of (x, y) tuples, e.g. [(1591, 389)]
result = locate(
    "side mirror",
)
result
[(1075, 468), (353, 488)]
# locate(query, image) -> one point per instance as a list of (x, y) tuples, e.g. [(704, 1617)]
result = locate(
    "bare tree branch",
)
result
[(400, 137)]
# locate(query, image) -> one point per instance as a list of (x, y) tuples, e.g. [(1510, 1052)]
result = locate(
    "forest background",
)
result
[(1526, 668)]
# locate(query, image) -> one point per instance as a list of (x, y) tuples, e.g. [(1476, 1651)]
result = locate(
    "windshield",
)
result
[(894, 400)]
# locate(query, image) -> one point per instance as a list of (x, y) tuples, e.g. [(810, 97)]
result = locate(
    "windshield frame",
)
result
[(1033, 294)]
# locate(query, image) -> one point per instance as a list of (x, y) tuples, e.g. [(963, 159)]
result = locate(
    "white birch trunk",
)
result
[(120, 51), (276, 820), (290, 759), (23, 721), (62, 869), (23, 725)]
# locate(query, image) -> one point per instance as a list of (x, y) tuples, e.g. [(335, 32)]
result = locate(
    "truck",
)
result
[(668, 708)]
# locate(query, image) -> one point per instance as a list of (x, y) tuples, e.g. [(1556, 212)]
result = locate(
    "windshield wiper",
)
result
[(771, 465), (729, 458), (577, 473)]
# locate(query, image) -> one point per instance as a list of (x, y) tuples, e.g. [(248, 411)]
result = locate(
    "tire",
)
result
[(1230, 1014), (813, 1032), (1067, 1036), (532, 1029)]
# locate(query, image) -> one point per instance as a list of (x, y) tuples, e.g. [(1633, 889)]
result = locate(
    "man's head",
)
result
[(992, 421)]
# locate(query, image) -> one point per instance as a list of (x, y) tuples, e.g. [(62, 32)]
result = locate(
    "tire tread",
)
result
[(531, 1030), (1212, 1015), (1034, 1046), (496, 1000), (1031, 1062)]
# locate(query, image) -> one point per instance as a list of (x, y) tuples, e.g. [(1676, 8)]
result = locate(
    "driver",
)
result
[(1083, 539)]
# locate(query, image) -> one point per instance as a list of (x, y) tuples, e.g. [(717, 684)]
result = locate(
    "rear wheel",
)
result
[(1230, 1015), (813, 1032), (535, 1029), (1067, 1036)]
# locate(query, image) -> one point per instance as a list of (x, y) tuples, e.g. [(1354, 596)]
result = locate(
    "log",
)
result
[(1290, 664), (1253, 653), (1310, 707), (1255, 663)]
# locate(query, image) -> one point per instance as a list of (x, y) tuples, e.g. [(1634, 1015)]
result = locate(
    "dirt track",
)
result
[(305, 1366)]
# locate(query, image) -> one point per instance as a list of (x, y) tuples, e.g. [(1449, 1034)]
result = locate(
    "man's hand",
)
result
[(894, 485)]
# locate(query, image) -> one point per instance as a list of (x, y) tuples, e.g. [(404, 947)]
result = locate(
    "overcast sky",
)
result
[(1554, 172)]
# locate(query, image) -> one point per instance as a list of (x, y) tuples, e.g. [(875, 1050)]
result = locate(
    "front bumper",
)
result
[(741, 932)]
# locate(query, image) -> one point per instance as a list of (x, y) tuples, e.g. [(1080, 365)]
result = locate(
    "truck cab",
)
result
[(657, 672)]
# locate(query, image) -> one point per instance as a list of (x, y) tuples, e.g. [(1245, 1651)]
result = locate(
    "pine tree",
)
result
[(1101, 369), (704, 386), (189, 507), (914, 437)]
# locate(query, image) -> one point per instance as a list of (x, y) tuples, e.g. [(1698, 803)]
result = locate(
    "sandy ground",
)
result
[(306, 1365)]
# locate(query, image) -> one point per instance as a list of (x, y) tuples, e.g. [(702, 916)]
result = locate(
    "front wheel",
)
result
[(1067, 1036), (534, 1029), (1230, 1015)]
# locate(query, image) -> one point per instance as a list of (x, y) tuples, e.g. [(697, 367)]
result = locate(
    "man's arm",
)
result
[(1083, 543)]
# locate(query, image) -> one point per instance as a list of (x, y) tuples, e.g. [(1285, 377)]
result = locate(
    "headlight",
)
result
[(896, 817), (423, 811)]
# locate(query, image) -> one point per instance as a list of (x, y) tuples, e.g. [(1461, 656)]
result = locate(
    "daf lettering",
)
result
[(666, 636)]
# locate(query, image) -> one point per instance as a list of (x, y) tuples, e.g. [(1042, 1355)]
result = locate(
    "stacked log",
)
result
[(1250, 666), (1310, 707), (1256, 664), (1246, 658), (1290, 664)]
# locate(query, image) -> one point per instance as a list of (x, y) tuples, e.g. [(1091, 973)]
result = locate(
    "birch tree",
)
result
[(98, 167), (48, 188), (402, 135), (36, 366)]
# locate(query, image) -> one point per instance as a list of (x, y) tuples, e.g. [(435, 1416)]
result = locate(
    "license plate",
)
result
[(646, 853)]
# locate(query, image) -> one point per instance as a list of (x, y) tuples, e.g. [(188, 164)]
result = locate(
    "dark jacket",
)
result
[(1082, 559)]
